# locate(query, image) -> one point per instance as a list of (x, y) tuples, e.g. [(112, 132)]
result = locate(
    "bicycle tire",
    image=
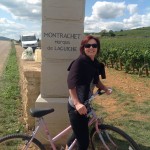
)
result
[(120, 140), (18, 142)]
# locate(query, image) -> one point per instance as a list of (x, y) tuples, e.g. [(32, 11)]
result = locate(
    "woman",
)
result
[(83, 76)]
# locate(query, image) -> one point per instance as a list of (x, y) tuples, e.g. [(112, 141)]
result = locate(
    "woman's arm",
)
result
[(101, 86), (78, 105)]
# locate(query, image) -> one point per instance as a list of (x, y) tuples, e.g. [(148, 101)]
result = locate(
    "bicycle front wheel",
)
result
[(19, 142), (111, 138)]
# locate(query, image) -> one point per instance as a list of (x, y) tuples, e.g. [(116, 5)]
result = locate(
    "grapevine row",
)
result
[(131, 55)]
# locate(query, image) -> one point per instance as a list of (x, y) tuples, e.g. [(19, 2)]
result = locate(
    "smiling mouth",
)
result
[(91, 51)]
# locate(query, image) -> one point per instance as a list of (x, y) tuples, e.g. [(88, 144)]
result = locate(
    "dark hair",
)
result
[(85, 41)]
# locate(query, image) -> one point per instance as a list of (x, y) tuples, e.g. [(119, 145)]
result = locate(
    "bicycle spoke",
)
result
[(19, 142), (112, 138)]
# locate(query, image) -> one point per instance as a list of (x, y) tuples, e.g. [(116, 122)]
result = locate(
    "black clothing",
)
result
[(79, 125), (83, 73), (83, 69)]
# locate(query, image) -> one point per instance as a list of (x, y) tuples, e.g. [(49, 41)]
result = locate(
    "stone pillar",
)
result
[(62, 32)]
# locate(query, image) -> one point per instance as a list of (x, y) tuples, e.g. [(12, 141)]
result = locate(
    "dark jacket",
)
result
[(82, 72)]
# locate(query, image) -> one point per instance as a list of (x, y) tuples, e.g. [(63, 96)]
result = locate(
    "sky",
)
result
[(24, 16)]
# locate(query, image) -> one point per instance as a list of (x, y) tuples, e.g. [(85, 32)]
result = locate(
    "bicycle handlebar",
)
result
[(98, 92)]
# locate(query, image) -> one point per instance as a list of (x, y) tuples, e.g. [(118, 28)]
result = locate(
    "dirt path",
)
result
[(138, 87), (128, 107), (131, 87), (4, 51)]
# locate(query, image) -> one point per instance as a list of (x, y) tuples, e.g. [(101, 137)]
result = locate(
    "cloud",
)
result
[(145, 20), (102, 14), (114, 16), (21, 9), (33, 1), (132, 8), (137, 21), (115, 26), (108, 10), (10, 28), (11, 24), (26, 17), (133, 21)]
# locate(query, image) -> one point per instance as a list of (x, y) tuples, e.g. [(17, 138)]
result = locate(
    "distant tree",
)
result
[(86, 33), (111, 33), (104, 33)]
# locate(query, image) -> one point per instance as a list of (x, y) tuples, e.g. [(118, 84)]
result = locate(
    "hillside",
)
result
[(4, 38), (139, 32)]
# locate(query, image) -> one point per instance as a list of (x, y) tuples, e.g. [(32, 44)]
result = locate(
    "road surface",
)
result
[(5, 47)]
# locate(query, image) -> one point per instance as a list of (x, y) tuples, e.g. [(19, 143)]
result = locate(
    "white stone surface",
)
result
[(54, 78), (61, 39), (56, 121), (63, 9)]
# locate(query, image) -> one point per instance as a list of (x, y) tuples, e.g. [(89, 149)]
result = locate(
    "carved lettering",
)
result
[(61, 41), (62, 35)]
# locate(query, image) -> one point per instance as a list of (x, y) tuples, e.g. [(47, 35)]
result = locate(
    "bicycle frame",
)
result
[(102, 136), (93, 120), (42, 124)]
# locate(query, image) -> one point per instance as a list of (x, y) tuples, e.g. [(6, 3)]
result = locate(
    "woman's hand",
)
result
[(81, 109), (78, 105), (108, 91)]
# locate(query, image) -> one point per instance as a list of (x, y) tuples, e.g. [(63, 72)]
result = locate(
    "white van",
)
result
[(29, 41)]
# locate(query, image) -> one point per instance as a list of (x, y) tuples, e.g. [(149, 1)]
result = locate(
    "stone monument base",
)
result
[(53, 120)]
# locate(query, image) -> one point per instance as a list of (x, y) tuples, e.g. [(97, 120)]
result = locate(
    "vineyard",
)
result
[(129, 54)]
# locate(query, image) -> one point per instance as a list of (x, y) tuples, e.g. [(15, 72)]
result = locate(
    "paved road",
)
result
[(4, 51)]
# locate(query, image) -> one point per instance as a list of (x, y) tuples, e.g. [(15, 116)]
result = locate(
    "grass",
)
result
[(10, 101), (132, 117), (122, 97)]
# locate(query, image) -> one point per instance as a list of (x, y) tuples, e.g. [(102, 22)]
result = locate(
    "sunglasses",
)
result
[(89, 45)]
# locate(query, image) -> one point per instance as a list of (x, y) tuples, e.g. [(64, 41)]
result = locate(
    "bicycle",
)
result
[(102, 136)]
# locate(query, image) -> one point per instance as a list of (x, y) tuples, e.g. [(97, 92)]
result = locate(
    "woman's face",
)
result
[(90, 48)]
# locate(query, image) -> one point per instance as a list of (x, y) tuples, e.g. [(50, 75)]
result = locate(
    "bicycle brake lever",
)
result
[(100, 92)]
